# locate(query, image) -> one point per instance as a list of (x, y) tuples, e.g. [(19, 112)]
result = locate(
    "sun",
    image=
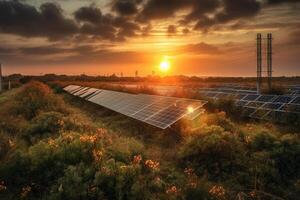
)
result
[(164, 66)]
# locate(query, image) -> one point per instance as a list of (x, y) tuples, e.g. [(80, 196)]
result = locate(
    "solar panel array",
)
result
[(267, 107), (158, 111), (294, 89)]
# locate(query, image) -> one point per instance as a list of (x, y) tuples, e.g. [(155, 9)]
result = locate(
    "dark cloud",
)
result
[(205, 13), (107, 26), (160, 9), (200, 8), (171, 30), (22, 19), (125, 7), (43, 50), (272, 2), (88, 14), (146, 30), (185, 31), (6, 51), (231, 10), (235, 9), (200, 49)]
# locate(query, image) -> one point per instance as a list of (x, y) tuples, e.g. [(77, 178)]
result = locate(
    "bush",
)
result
[(214, 151), (219, 119), (45, 124), (123, 149), (4, 145), (34, 97)]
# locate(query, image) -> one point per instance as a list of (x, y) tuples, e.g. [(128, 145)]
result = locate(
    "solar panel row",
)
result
[(158, 111), (259, 106)]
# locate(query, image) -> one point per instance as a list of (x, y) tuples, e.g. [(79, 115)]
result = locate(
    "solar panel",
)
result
[(76, 90), (150, 110), (169, 115), (296, 100), (272, 106), (88, 92), (159, 111), (71, 87), (239, 96), (251, 97), (248, 111), (283, 99), (82, 91), (195, 114), (92, 95), (138, 103), (266, 98), (293, 108), (242, 103), (254, 104), (260, 114)]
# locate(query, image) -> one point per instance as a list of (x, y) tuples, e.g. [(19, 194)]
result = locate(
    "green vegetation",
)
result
[(55, 146)]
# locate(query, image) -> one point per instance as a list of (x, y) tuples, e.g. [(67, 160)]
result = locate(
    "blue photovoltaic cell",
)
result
[(283, 99), (159, 111), (296, 100), (251, 97), (272, 106), (266, 98)]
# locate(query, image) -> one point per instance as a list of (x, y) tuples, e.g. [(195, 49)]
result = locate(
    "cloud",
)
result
[(272, 2), (125, 7), (43, 50), (88, 14), (200, 8), (161, 9), (230, 10), (25, 20), (204, 13), (201, 48), (171, 30), (109, 27)]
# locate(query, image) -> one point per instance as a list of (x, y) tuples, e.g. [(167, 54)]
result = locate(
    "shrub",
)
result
[(4, 145), (45, 124), (219, 119), (227, 105), (34, 97), (214, 151), (123, 149)]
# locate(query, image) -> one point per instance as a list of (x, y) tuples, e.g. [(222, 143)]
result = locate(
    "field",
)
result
[(56, 146)]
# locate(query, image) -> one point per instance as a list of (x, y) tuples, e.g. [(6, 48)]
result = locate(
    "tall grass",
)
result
[(62, 148)]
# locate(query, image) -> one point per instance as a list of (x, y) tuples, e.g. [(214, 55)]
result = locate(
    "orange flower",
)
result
[(218, 192), (97, 155), (2, 186), (137, 159), (52, 143), (25, 191), (189, 171), (152, 164), (88, 138), (173, 190)]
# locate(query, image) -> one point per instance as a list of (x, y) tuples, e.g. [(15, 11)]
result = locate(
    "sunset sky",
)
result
[(96, 37)]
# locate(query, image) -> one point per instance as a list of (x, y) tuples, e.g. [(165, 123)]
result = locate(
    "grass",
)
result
[(73, 149), (6, 95)]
